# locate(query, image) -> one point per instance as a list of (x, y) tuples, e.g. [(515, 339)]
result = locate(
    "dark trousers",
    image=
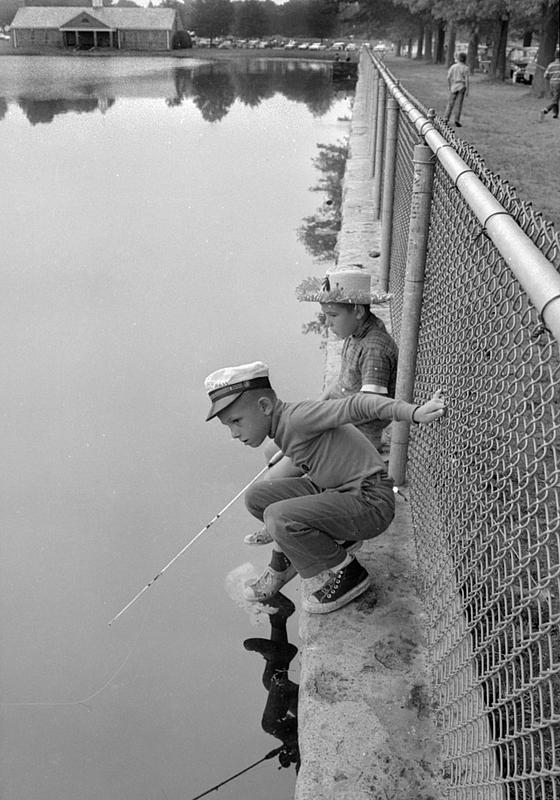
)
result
[(555, 91), (455, 100), (306, 521)]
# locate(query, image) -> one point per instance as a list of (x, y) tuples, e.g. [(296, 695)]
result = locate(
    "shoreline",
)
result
[(195, 53)]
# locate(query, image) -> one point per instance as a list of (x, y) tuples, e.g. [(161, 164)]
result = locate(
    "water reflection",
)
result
[(212, 88), (279, 717)]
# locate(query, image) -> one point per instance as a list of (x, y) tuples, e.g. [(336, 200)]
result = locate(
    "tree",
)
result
[(212, 18), (549, 29), (251, 19), (322, 15)]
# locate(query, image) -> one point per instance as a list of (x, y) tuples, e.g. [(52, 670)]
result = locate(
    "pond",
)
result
[(150, 236)]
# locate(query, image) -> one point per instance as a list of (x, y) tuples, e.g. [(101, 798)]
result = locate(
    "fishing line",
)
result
[(122, 665), (275, 458), (84, 701)]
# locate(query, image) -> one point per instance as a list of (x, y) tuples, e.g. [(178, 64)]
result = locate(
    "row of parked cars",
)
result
[(279, 43)]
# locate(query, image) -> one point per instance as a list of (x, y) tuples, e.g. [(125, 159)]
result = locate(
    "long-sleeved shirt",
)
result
[(320, 438)]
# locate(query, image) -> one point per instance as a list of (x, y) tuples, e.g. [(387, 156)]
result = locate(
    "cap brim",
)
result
[(221, 404)]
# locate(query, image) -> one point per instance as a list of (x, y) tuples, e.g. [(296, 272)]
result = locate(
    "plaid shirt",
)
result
[(369, 364)]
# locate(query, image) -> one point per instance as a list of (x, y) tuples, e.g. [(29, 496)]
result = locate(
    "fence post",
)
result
[(390, 161), (379, 144), (373, 118), (420, 206)]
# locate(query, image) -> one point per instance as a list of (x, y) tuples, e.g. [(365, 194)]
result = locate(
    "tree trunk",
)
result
[(440, 43), (398, 48), (527, 38), (498, 65), (420, 48), (409, 48), (472, 52), (428, 37), (547, 47), (451, 39)]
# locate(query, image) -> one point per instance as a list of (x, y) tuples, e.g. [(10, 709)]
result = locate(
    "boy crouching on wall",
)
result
[(343, 496)]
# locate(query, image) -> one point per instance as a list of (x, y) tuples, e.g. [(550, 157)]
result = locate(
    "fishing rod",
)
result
[(223, 783), (275, 458)]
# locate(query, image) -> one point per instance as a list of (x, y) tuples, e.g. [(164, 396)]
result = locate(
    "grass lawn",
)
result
[(501, 120)]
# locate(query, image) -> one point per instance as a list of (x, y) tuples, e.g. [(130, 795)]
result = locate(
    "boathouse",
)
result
[(93, 27)]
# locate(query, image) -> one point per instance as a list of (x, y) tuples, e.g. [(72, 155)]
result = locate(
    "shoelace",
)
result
[(329, 588)]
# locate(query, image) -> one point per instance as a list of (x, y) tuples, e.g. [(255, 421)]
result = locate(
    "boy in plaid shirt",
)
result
[(368, 359)]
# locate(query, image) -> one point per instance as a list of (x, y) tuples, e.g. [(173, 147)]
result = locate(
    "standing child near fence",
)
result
[(369, 354), (458, 82), (343, 495)]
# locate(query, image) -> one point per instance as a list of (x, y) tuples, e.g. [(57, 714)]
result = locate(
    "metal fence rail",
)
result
[(485, 482)]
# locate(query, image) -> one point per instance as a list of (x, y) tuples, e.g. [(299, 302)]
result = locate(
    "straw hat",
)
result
[(346, 285)]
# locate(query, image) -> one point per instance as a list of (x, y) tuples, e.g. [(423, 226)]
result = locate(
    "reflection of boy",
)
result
[(343, 494), (280, 713), (369, 354)]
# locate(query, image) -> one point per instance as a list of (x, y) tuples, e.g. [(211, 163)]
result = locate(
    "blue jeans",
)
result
[(305, 521)]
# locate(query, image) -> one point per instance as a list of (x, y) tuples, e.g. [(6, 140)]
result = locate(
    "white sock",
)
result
[(347, 560)]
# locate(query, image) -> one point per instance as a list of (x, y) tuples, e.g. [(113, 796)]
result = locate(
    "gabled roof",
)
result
[(124, 18)]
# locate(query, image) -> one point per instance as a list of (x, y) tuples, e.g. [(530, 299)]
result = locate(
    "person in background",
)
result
[(458, 82), (552, 75)]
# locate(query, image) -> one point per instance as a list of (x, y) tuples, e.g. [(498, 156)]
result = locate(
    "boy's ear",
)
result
[(360, 311), (265, 404)]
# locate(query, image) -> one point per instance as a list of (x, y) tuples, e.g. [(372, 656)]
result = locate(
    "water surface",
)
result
[(149, 237)]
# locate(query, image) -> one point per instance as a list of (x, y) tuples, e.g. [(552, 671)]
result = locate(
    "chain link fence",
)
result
[(484, 483)]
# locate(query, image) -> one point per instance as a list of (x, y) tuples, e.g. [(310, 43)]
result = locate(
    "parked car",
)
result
[(290, 45), (338, 46), (518, 59), (303, 46), (317, 46)]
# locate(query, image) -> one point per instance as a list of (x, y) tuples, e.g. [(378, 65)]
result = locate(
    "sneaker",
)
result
[(340, 588), (259, 537), (458, 125), (545, 111), (267, 584)]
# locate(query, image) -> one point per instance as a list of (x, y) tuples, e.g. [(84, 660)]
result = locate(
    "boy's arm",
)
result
[(430, 411), (314, 417)]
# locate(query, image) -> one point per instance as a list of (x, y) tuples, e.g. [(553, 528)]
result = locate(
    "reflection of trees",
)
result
[(46, 110), (3, 107), (319, 232), (215, 89), (253, 87), (213, 94)]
